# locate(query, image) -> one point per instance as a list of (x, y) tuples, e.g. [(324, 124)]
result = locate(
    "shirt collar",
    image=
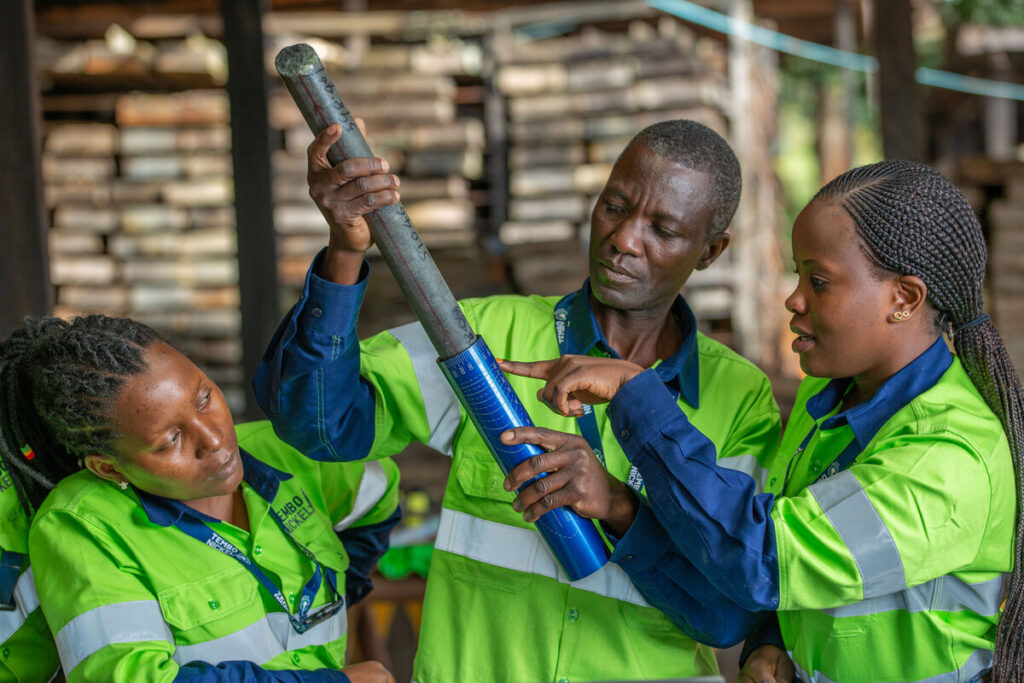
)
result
[(865, 419), (681, 370), (263, 479)]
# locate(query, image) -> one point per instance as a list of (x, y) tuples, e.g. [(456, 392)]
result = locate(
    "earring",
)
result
[(901, 315), (123, 485)]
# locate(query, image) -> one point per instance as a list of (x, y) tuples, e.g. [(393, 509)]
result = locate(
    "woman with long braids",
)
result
[(27, 650), (890, 516), (171, 544)]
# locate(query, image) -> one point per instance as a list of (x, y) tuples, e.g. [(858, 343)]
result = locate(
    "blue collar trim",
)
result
[(263, 479), (681, 370), (865, 419)]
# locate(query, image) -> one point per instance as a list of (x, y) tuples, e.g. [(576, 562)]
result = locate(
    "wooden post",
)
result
[(837, 102), (745, 313), (24, 263), (250, 151), (897, 88), (1000, 114), (497, 164)]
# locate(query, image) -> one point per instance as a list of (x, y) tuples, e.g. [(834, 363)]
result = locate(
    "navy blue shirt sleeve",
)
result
[(314, 350), (247, 672), (714, 516), (672, 584), (365, 545)]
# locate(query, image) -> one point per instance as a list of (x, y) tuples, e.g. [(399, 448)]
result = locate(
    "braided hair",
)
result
[(59, 382), (914, 221)]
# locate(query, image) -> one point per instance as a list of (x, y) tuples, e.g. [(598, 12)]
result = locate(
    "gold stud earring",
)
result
[(901, 315)]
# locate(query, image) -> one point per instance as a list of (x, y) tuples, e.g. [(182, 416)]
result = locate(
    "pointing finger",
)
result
[(538, 369)]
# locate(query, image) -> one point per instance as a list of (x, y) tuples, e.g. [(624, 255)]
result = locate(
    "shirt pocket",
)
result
[(480, 481), (220, 597), (650, 634)]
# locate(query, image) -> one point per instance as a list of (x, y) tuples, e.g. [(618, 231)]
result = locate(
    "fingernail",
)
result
[(508, 486), (384, 165), (516, 506)]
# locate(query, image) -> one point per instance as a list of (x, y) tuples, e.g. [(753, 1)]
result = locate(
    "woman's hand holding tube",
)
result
[(574, 477), (767, 664), (571, 381), (344, 194)]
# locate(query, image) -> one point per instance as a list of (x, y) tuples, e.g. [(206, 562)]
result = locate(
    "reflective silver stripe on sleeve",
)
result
[(944, 594), (976, 663), (372, 488), (123, 622), (747, 464), (25, 600), (263, 640), (524, 550), (855, 519), (439, 400)]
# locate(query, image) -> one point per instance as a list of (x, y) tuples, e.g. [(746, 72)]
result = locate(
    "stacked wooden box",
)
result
[(408, 97), (143, 223), (573, 104), (997, 191)]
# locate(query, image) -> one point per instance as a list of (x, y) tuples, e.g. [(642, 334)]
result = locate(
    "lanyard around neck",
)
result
[(588, 421), (302, 620), (842, 461)]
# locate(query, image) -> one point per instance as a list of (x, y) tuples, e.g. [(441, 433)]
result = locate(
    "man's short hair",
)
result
[(699, 148)]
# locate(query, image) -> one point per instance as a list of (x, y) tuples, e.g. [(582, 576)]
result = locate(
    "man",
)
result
[(497, 607)]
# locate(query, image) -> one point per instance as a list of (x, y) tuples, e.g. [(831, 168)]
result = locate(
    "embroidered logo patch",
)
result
[(295, 512)]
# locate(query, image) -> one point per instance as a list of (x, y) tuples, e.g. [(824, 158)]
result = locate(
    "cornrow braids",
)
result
[(914, 221), (59, 381)]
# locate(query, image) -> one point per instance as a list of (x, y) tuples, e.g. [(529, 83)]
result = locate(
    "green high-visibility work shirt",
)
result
[(498, 608), (130, 597)]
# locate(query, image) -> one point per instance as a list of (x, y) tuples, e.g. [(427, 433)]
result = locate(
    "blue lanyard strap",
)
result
[(302, 620), (10, 569), (588, 421), (841, 463)]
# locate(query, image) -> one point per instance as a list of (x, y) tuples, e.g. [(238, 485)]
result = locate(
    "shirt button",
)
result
[(563, 679), (257, 550), (317, 312), (292, 597), (296, 658), (574, 614), (815, 467), (625, 434), (773, 480), (214, 604)]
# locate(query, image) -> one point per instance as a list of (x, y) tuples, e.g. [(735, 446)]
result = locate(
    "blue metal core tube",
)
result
[(494, 407), (470, 367)]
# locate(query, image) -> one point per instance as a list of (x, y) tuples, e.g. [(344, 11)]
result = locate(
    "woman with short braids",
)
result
[(889, 520), (164, 539)]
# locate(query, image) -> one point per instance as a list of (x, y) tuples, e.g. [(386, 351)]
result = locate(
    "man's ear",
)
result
[(713, 249), (103, 467)]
